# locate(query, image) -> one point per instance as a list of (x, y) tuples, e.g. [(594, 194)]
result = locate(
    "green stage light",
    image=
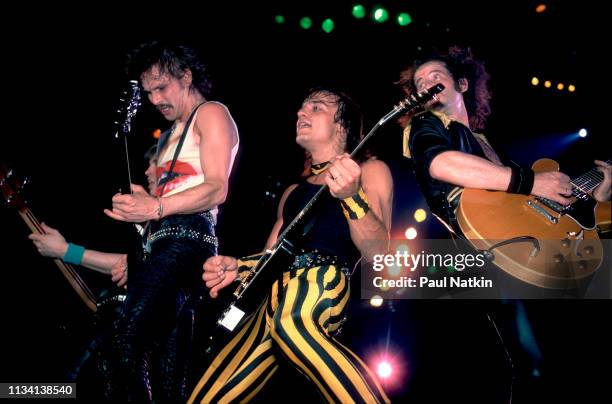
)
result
[(279, 19), (306, 22), (380, 14), (327, 25), (404, 19), (359, 11)]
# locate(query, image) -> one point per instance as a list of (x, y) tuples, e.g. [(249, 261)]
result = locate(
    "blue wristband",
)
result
[(74, 254)]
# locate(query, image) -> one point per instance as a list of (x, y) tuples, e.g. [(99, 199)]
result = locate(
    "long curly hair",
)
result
[(172, 59), (461, 64)]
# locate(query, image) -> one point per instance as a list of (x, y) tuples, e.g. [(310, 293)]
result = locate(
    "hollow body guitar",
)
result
[(569, 247)]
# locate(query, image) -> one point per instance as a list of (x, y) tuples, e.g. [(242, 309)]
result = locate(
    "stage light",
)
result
[(384, 369), (156, 133), (540, 8), (394, 270), (279, 19), (380, 14), (306, 22), (571, 88), (582, 132), (535, 81), (411, 233), (547, 84), (402, 247), (420, 215), (404, 19), (560, 86), (376, 301), (327, 25), (359, 11)]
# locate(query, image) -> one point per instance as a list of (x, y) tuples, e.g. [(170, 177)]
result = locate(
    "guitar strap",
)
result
[(162, 142)]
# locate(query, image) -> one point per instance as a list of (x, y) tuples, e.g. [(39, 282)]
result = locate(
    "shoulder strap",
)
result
[(163, 139)]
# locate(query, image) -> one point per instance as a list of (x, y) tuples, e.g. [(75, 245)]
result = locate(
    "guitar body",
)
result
[(568, 252)]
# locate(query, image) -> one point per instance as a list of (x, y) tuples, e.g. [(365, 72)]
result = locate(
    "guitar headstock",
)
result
[(11, 187), (420, 99), (130, 101)]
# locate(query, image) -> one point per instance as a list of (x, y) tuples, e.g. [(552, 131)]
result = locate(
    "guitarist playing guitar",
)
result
[(305, 305), (448, 157)]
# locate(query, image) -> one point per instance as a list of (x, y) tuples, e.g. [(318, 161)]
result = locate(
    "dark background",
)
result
[(63, 73)]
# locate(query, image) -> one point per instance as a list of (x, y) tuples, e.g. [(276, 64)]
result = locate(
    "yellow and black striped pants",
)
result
[(299, 324)]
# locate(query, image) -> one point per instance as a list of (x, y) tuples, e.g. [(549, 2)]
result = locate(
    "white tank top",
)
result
[(188, 169)]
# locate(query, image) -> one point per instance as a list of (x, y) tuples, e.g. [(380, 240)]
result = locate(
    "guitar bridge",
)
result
[(538, 208)]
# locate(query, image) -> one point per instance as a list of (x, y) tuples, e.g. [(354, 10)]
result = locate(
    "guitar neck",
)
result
[(69, 272), (588, 181)]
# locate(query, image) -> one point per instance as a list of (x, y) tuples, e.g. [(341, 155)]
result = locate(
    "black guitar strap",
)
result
[(162, 142)]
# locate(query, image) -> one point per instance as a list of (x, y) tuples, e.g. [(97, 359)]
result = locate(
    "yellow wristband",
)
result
[(356, 206)]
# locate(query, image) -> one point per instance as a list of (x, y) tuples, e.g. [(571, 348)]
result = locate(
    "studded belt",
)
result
[(316, 258), (180, 229)]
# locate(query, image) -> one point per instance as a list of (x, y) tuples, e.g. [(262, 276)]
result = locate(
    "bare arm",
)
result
[(53, 244), (471, 171), (218, 135), (220, 271), (371, 232)]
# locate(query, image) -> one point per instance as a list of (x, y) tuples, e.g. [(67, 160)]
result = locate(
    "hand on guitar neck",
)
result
[(603, 192), (556, 186), (52, 244)]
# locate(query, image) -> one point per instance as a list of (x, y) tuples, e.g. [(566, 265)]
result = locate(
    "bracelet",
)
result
[(356, 206), (521, 180), (160, 208), (74, 254)]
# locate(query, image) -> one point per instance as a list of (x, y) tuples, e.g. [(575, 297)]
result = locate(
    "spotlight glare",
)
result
[(384, 370), (571, 88), (560, 86), (156, 133), (535, 81), (540, 8), (279, 19), (547, 84), (420, 215), (582, 132), (376, 301), (411, 233)]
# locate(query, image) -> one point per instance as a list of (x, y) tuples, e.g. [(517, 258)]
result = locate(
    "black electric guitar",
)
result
[(130, 101), (11, 188), (252, 287)]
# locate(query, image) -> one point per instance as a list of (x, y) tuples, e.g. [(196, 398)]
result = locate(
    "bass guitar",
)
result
[(11, 191)]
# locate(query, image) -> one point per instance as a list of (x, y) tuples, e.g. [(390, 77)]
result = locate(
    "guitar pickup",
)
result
[(534, 205)]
